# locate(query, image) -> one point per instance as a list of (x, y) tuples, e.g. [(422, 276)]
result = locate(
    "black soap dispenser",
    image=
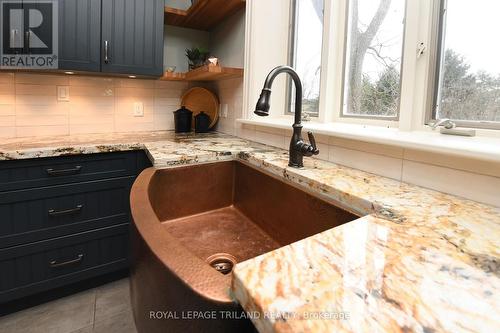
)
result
[(182, 120), (201, 122)]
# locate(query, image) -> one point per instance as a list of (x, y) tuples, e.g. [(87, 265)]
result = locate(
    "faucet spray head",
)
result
[(264, 103)]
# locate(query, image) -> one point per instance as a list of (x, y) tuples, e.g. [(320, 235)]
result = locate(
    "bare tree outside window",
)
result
[(469, 82), (307, 41), (373, 58)]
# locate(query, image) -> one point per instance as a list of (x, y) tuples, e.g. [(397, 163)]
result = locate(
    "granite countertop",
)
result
[(417, 261)]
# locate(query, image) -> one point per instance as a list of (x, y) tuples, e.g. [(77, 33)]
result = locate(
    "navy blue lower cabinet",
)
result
[(37, 214), (40, 266), (41, 172), (64, 219)]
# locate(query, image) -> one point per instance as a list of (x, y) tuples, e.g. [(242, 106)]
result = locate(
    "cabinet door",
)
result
[(132, 36), (80, 35)]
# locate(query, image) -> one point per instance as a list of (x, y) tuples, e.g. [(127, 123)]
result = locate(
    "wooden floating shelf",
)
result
[(205, 73), (213, 73), (204, 14), (169, 76)]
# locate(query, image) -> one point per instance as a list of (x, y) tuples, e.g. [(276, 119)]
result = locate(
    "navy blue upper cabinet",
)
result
[(111, 36), (132, 36), (80, 35)]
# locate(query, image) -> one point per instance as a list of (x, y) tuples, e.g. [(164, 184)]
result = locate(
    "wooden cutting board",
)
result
[(201, 99)]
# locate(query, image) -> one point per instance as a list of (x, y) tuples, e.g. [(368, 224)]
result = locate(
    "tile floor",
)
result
[(104, 309)]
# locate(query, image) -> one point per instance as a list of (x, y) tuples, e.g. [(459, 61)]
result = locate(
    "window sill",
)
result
[(484, 148)]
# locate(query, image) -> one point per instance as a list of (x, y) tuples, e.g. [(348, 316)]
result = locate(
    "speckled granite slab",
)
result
[(418, 261), (165, 149)]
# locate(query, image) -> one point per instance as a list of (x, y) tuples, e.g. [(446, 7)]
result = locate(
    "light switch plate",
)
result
[(223, 110), (138, 109), (63, 93)]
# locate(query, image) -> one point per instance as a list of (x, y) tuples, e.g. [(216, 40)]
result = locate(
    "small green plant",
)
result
[(197, 57)]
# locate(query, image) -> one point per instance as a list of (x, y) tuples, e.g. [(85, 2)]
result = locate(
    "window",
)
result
[(306, 41), (468, 69), (399, 64), (373, 58)]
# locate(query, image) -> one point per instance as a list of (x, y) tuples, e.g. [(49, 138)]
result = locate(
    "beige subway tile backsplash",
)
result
[(91, 91), (465, 184), (245, 131), (368, 147), (163, 121), (92, 81), (39, 79), (7, 88), (488, 168), (7, 132), (7, 99), (272, 139), (36, 89), (173, 85), (7, 110), (136, 83), (374, 163), (6, 78), (7, 121), (42, 110), (130, 92), (41, 120), (167, 93), (97, 104), (49, 130), (95, 127), (35, 100)]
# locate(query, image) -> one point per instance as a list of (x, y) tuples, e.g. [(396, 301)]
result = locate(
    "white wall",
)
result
[(266, 47), (177, 40), (178, 4), (227, 40)]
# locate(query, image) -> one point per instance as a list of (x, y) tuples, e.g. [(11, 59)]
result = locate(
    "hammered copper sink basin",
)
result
[(192, 223)]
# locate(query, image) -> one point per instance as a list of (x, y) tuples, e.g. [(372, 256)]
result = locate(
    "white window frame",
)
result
[(436, 68), (383, 119), (292, 50), (335, 26), (261, 55)]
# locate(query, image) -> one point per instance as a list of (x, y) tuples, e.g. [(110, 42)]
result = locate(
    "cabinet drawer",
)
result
[(37, 214), (49, 264), (39, 172)]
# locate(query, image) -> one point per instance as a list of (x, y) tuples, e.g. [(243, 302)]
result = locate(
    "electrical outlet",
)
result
[(63, 93), (138, 109), (223, 110)]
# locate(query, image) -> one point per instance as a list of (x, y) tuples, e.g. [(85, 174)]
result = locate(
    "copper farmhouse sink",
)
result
[(193, 223)]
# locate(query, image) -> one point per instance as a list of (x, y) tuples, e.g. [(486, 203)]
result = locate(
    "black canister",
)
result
[(201, 122), (182, 120)]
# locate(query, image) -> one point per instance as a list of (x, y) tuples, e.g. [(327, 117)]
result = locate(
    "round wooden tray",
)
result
[(201, 99)]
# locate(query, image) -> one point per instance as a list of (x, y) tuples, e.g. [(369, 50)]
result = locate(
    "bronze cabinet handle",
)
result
[(64, 172), (55, 264), (53, 212)]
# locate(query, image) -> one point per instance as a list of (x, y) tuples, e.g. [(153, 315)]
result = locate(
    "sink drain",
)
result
[(222, 262)]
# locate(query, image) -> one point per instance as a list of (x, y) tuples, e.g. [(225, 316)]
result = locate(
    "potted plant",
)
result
[(196, 57)]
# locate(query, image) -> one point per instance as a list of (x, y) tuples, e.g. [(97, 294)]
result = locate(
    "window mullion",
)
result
[(333, 65), (409, 84)]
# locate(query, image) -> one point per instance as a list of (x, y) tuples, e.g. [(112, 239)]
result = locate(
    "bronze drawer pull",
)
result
[(64, 172), (53, 212), (55, 264)]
